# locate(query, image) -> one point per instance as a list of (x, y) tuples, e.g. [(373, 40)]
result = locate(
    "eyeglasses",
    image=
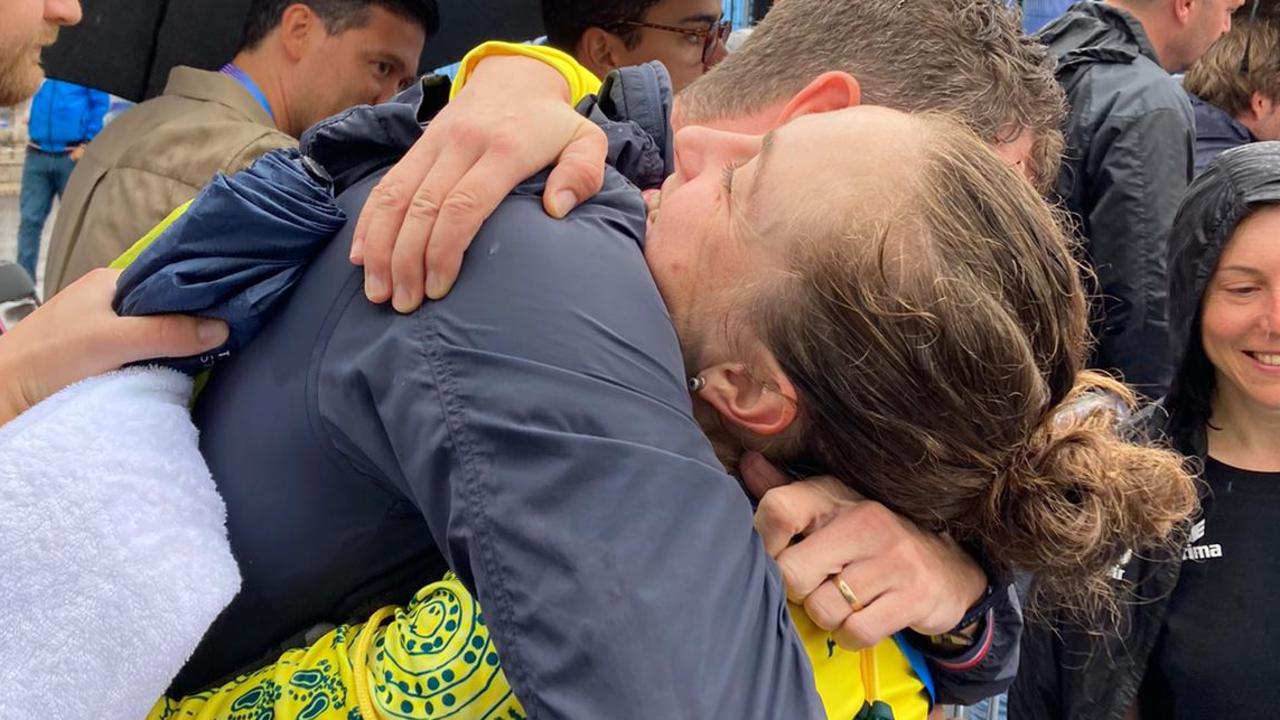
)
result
[(713, 36)]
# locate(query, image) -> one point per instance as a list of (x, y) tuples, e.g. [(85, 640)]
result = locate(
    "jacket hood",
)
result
[(1094, 32), (1235, 184)]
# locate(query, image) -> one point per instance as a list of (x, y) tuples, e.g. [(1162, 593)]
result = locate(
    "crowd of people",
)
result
[(895, 360)]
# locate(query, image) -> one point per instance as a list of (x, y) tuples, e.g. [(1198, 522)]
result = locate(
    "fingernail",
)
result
[(436, 286), (375, 288), (401, 300), (562, 203), (212, 333)]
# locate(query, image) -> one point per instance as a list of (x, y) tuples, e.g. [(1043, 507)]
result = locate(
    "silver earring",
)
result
[(696, 383)]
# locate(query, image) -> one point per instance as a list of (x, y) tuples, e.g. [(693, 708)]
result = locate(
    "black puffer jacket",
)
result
[(1065, 673), (1130, 140)]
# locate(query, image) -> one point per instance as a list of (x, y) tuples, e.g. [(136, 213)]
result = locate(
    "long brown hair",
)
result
[(934, 352)]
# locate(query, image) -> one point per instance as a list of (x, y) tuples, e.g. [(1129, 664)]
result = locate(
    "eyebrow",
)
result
[(700, 18), (396, 63), (1241, 269)]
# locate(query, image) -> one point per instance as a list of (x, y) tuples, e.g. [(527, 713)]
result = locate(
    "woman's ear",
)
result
[(762, 406), (828, 92)]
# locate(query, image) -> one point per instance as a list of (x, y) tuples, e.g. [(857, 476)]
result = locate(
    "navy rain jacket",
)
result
[(533, 430), (237, 253)]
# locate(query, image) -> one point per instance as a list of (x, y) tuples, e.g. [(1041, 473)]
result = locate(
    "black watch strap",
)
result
[(977, 611)]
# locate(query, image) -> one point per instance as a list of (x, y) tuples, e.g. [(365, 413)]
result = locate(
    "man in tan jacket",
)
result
[(300, 62)]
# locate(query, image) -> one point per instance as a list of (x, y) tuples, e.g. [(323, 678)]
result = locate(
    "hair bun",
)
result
[(1078, 496)]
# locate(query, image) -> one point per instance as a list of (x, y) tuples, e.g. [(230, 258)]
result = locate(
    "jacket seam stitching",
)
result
[(513, 663)]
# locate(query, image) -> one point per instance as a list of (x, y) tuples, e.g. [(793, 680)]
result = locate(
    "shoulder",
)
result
[(185, 140), (535, 295), (1124, 92), (553, 281)]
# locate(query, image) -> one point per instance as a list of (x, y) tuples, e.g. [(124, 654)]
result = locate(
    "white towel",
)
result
[(114, 558)]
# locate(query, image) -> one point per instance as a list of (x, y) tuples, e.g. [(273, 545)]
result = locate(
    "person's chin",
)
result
[(21, 85)]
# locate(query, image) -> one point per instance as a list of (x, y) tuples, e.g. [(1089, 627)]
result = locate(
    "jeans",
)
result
[(43, 177), (995, 708)]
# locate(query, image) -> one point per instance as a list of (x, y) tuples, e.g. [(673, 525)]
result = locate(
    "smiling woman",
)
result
[(1197, 649)]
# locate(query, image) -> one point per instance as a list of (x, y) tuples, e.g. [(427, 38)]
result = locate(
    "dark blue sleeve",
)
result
[(988, 668), (539, 418)]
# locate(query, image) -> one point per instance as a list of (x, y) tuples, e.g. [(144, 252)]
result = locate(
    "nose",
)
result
[(699, 149), (719, 53), (1271, 320), (62, 12)]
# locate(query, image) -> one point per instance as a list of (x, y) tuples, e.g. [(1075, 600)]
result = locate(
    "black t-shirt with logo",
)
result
[(1219, 650)]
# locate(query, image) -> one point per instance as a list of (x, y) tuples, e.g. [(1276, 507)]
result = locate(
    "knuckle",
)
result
[(504, 144), (465, 131), (584, 175), (774, 512), (460, 202), (821, 612), (174, 331), (424, 206), (871, 516), (389, 193)]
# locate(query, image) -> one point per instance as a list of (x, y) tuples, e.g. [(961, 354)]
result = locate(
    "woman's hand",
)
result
[(77, 335), (902, 576), (511, 120)]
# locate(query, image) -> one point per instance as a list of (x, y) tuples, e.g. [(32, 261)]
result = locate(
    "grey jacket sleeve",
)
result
[(989, 667), (1140, 170), (539, 420)]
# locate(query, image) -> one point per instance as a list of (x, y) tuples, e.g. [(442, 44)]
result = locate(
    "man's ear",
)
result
[(298, 25), (829, 91), (1260, 105), (764, 407), (1182, 10), (598, 51)]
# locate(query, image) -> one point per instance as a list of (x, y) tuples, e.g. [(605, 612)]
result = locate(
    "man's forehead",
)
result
[(685, 11)]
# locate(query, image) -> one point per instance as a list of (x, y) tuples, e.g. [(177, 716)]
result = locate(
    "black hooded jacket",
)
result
[(1130, 140), (1065, 673)]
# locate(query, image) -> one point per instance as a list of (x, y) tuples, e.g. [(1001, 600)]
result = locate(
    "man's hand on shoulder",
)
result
[(511, 120)]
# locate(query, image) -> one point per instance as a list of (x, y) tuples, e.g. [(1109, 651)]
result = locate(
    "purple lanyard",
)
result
[(249, 85)]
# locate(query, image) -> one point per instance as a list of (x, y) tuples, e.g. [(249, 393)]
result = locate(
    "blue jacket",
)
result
[(1216, 131), (64, 115), (532, 431)]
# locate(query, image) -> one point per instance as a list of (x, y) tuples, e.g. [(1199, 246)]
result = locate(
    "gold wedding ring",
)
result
[(847, 593)]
